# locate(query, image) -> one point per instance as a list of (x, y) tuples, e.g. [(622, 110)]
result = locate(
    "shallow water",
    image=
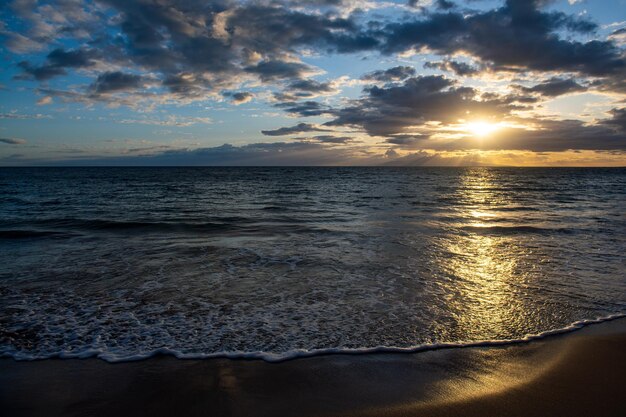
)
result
[(125, 262)]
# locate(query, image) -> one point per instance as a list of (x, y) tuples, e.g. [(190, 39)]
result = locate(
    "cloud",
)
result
[(113, 82), (405, 108), (300, 153), (439, 4), (21, 44), (240, 98), (331, 139), (426, 112), (410, 141), (12, 141), (617, 120), (421, 158), (554, 87), (551, 136), (171, 120), (147, 53), (275, 30), (308, 88), (39, 73), (327, 139), (299, 128), (445, 4), (44, 100), (196, 50), (517, 36), (305, 108), (274, 69), (20, 116), (459, 68), (392, 74), (57, 62)]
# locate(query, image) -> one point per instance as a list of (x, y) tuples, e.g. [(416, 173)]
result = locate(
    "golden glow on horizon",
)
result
[(475, 157)]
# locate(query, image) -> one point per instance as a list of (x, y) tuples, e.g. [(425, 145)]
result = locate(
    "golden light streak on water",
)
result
[(484, 265)]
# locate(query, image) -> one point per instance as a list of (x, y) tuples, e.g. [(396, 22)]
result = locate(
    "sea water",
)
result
[(124, 263)]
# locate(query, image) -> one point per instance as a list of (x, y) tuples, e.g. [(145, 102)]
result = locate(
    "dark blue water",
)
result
[(126, 262)]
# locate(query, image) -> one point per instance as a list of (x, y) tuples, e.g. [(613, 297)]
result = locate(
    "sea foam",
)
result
[(274, 357)]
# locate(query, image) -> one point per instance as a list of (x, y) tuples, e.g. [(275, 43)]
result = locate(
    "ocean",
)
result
[(276, 263)]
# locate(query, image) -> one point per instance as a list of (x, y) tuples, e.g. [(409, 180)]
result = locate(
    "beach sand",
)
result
[(577, 374)]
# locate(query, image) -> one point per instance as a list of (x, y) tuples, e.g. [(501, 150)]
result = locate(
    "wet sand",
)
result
[(578, 374)]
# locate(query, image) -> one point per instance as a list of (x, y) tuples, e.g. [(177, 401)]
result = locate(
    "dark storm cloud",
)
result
[(110, 82), (299, 128), (395, 109), (459, 68), (554, 87), (392, 74)]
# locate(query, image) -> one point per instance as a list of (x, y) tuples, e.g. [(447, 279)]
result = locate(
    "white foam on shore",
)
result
[(303, 353)]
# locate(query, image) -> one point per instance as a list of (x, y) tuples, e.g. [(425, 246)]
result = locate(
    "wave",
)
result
[(237, 225), (274, 208), (31, 234), (113, 225), (302, 353), (503, 230), (516, 208), (156, 226)]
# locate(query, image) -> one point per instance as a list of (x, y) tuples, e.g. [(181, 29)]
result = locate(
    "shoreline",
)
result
[(581, 372), (302, 354)]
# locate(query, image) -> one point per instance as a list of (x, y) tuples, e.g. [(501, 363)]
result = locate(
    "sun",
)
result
[(481, 128)]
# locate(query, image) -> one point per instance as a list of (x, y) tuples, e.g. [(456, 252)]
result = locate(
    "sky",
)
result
[(319, 82)]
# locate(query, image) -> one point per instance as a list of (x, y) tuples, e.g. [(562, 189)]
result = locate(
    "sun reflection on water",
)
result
[(483, 265)]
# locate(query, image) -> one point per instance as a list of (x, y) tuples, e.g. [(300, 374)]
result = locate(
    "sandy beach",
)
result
[(577, 374)]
